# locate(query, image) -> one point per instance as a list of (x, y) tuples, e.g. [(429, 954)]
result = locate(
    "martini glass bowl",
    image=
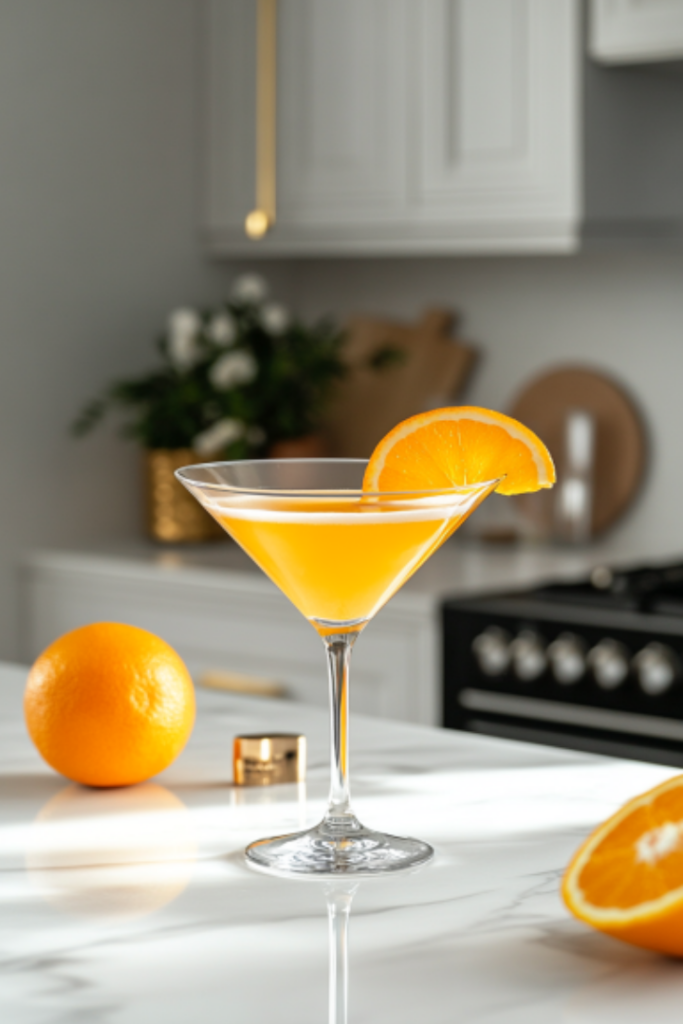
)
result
[(338, 553)]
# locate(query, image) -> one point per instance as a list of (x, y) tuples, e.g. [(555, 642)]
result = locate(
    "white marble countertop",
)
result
[(132, 906)]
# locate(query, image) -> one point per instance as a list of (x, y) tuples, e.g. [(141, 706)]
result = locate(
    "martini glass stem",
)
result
[(339, 815)]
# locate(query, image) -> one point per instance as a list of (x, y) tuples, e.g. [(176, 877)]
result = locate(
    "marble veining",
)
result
[(131, 906)]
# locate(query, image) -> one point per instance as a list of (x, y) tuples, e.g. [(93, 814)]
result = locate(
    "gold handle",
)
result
[(239, 682), (262, 218)]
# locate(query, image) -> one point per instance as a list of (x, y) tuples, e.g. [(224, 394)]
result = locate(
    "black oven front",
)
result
[(595, 666)]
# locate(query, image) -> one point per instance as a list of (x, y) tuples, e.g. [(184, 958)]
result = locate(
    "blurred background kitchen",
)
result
[(515, 165)]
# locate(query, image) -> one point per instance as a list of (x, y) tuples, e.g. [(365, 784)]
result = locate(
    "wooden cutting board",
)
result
[(431, 369), (620, 438)]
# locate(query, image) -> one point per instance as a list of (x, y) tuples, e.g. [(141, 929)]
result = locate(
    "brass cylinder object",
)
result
[(264, 760), (173, 515)]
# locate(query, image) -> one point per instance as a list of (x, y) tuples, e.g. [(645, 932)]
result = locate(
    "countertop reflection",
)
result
[(136, 905)]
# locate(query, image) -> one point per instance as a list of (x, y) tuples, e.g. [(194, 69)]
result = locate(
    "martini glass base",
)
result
[(326, 850)]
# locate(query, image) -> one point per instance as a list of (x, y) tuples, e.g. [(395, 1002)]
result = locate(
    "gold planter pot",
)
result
[(173, 515)]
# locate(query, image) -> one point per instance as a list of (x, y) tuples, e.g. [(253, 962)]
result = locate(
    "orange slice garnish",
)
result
[(458, 446), (627, 878)]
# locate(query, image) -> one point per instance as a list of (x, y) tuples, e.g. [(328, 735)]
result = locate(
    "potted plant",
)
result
[(238, 381)]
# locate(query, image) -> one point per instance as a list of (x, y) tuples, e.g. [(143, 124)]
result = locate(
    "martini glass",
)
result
[(338, 553)]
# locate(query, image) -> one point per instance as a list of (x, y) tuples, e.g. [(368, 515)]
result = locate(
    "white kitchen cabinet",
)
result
[(221, 613), (404, 126), (236, 621), (636, 31)]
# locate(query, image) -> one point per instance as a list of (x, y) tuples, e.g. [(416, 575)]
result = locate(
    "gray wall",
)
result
[(99, 197), (100, 165), (620, 311)]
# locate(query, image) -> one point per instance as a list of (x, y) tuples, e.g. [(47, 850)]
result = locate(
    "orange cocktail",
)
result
[(338, 552), (340, 559), (339, 537)]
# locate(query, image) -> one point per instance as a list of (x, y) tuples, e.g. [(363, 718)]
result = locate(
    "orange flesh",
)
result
[(616, 877), (627, 877)]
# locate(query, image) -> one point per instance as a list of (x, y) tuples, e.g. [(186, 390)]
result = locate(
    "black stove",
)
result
[(594, 665)]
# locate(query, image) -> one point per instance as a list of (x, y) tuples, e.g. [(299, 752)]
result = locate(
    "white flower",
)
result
[(184, 321), (250, 289), (183, 328), (275, 319), (222, 330), (232, 369), (218, 436), (255, 436)]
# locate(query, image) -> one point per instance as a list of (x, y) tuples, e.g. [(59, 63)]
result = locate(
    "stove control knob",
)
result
[(657, 668), (492, 651), (609, 663), (567, 657), (602, 577), (529, 660)]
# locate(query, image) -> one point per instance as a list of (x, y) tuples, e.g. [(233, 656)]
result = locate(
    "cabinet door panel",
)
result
[(499, 110), (631, 31), (341, 120), (486, 98)]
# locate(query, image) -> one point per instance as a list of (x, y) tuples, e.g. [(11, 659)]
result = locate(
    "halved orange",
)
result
[(627, 878), (458, 446)]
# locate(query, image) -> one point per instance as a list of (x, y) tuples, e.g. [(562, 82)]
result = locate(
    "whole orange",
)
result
[(109, 704)]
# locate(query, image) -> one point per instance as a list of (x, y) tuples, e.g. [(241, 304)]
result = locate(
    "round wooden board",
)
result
[(620, 438)]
